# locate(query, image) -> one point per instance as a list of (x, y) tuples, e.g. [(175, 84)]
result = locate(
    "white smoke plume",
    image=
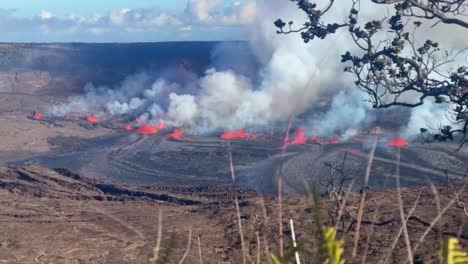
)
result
[(290, 79), (347, 113), (431, 116)]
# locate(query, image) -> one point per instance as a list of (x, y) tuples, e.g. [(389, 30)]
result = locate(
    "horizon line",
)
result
[(118, 42)]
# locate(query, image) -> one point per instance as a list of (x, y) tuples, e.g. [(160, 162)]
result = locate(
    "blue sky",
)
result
[(62, 7), (124, 20)]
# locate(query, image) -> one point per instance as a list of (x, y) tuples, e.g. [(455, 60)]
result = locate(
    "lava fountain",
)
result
[(146, 130), (92, 119), (127, 128), (37, 116), (176, 134), (398, 142), (234, 135), (299, 139)]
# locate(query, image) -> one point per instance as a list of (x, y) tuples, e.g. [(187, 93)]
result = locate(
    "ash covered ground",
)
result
[(87, 221), (131, 158), (104, 150)]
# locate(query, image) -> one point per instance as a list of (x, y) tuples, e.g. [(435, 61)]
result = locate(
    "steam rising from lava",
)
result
[(92, 119), (291, 77), (288, 82), (348, 111), (146, 130)]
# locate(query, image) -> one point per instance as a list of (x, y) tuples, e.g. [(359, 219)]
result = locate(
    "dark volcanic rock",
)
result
[(62, 183)]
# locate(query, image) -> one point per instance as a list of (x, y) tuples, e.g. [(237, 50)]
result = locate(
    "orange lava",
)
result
[(138, 120), (234, 135), (300, 137), (334, 142), (37, 116), (176, 134), (146, 130), (92, 119), (227, 135), (398, 142), (240, 134), (127, 128)]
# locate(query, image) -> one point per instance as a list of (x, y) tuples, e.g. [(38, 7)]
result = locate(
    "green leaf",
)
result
[(275, 259)]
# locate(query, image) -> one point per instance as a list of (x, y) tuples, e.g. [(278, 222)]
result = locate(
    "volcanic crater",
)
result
[(159, 158)]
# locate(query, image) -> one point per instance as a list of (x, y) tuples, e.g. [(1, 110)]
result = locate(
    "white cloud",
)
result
[(97, 30), (203, 10), (45, 15), (130, 19), (117, 17), (213, 12), (201, 20), (241, 12), (186, 28)]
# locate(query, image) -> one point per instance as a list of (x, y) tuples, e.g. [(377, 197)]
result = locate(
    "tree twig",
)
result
[(364, 192)]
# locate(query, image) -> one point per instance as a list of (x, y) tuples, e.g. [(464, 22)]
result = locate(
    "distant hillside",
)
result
[(65, 68)]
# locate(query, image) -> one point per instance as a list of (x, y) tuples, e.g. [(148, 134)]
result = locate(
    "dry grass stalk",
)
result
[(289, 126), (438, 209), (156, 249), (293, 235), (120, 221), (280, 215), (462, 225), (258, 246), (369, 235), (199, 249), (241, 232), (264, 210), (231, 164), (364, 193), (437, 218), (401, 209), (343, 203), (286, 137), (38, 258), (187, 250), (266, 248), (265, 223), (371, 229), (239, 220), (397, 237), (459, 203)]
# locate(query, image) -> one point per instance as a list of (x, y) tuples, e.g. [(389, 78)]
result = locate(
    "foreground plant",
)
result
[(334, 247), (451, 252), (330, 248)]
